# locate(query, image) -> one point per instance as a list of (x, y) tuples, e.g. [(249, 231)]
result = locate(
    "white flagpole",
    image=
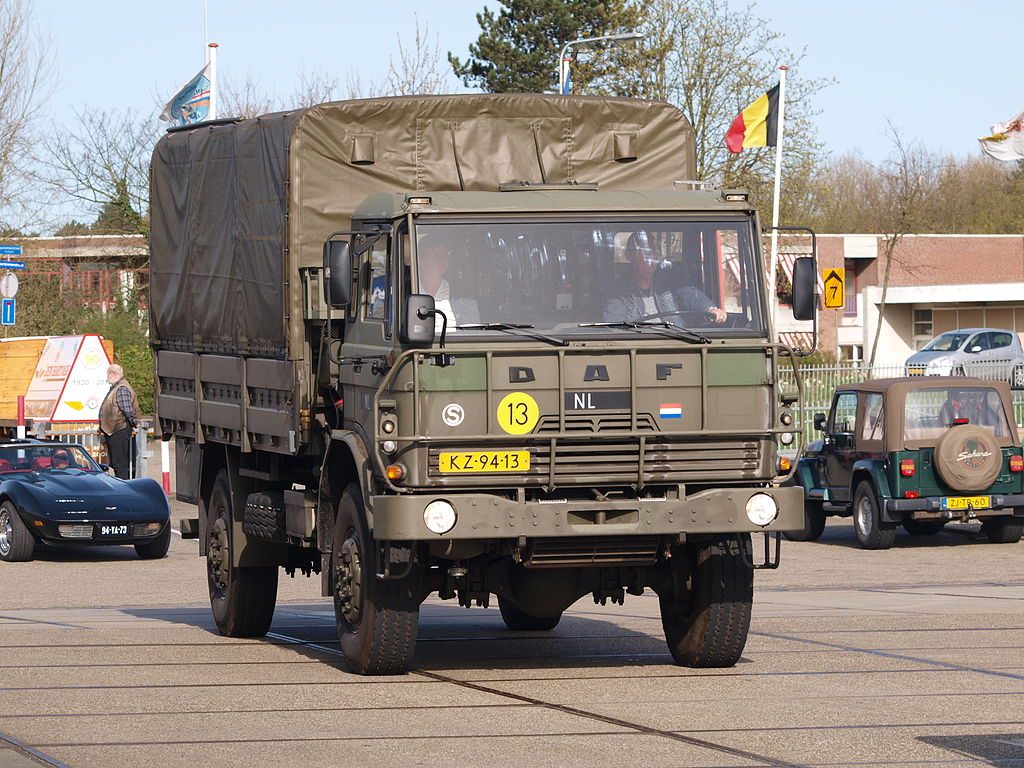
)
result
[(212, 48), (778, 185)]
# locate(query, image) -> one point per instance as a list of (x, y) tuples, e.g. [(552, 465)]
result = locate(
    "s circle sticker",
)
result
[(453, 414), (517, 413)]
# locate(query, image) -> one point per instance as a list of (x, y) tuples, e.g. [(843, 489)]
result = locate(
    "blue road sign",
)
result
[(12, 264), (10, 250), (6, 311)]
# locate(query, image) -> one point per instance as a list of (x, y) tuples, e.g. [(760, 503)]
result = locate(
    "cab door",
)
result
[(839, 446)]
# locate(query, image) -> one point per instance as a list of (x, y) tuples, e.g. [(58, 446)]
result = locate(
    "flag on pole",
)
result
[(566, 76), (192, 103), (1006, 141), (757, 125)]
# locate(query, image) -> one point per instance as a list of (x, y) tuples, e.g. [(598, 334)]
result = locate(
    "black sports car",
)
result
[(55, 492)]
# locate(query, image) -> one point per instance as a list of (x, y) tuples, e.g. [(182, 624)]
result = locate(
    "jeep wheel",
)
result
[(705, 609), (16, 543), (377, 618), (1003, 530), (814, 523), (519, 620), (242, 599), (923, 527), (871, 532)]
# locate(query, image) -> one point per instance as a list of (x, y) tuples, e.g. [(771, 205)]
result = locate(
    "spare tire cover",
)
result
[(968, 458)]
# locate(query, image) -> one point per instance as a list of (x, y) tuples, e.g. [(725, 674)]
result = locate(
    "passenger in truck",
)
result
[(432, 254)]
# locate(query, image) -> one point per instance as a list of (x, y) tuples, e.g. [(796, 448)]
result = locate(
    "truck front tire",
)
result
[(706, 612), (377, 618), (242, 599)]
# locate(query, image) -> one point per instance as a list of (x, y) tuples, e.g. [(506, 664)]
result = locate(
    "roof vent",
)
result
[(363, 149), (624, 146)]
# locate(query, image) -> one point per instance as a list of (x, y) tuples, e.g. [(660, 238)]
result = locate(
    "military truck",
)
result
[(391, 349)]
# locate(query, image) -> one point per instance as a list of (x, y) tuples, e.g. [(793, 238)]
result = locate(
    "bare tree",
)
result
[(247, 99), (907, 180), (417, 70), (104, 162), (712, 60), (25, 78)]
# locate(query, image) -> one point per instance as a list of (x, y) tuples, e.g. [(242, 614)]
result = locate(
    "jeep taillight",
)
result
[(907, 468), (911, 495), (1017, 463)]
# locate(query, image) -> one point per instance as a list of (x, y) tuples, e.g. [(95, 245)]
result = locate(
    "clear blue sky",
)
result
[(942, 71)]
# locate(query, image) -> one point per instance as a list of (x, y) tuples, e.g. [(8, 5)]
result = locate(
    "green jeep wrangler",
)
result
[(916, 452)]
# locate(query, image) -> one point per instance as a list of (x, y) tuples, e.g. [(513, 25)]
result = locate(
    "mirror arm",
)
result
[(441, 358)]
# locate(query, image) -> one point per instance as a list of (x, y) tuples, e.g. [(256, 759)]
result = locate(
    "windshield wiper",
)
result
[(514, 328), (655, 325)]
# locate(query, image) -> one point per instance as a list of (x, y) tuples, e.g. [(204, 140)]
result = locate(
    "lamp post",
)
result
[(563, 63)]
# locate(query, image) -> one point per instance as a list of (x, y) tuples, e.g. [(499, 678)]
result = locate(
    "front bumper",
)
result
[(930, 508), (485, 516), (92, 530)]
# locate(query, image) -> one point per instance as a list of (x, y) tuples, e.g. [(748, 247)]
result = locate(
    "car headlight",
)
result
[(439, 516), (762, 509)]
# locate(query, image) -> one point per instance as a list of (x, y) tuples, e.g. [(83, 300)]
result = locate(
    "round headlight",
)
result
[(389, 446), (439, 516), (762, 509), (786, 417), (786, 438)]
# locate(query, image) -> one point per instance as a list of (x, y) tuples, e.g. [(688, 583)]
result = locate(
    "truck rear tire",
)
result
[(518, 620), (377, 619), (871, 532), (242, 599), (814, 523), (706, 614), (1003, 530)]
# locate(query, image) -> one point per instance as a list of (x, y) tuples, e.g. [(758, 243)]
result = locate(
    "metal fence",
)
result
[(820, 381)]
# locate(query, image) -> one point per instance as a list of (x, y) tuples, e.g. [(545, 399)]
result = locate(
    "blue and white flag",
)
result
[(192, 103)]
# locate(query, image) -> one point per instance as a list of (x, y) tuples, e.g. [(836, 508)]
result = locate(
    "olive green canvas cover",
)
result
[(238, 208)]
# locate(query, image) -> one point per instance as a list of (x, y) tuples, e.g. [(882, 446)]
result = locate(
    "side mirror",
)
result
[(819, 422), (974, 350), (803, 288), (337, 273), (418, 325)]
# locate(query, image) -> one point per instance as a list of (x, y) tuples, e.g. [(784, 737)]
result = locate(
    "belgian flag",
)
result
[(757, 125)]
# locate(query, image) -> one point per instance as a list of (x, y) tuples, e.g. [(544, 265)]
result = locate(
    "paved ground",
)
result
[(910, 656)]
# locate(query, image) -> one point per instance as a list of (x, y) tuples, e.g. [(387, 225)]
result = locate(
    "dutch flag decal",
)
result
[(671, 410)]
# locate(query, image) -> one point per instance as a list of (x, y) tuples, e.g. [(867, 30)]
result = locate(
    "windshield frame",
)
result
[(752, 291), (24, 454)]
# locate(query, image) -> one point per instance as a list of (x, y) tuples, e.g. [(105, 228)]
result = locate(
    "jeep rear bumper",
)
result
[(931, 508), (487, 516)]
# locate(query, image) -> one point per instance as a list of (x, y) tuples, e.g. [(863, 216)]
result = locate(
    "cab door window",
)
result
[(844, 414)]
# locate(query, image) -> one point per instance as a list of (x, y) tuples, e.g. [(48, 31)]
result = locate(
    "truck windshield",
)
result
[(566, 276)]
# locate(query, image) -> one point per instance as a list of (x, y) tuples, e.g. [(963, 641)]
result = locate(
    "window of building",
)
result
[(923, 327), (850, 279)]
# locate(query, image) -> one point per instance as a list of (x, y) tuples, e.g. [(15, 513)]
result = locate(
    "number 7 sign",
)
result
[(834, 281)]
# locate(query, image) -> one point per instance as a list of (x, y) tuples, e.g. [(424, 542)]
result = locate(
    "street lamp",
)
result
[(563, 62)]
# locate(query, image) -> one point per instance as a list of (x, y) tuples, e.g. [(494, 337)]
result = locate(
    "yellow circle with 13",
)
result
[(517, 413)]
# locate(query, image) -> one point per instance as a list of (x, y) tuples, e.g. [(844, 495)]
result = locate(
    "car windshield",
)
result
[(580, 277), (947, 342), (45, 458), (928, 413)]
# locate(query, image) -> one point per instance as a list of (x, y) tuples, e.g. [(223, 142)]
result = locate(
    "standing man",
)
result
[(118, 415)]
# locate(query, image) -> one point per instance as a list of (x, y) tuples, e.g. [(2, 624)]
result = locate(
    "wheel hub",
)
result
[(348, 579), (219, 555), (6, 532), (862, 517)]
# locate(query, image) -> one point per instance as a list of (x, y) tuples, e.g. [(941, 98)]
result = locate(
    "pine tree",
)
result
[(519, 47)]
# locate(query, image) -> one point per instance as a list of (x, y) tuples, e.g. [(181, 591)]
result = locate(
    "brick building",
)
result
[(937, 283)]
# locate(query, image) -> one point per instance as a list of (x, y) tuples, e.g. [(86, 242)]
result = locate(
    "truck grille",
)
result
[(606, 460), (592, 550)]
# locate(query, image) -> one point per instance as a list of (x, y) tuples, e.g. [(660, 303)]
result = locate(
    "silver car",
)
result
[(986, 353)]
